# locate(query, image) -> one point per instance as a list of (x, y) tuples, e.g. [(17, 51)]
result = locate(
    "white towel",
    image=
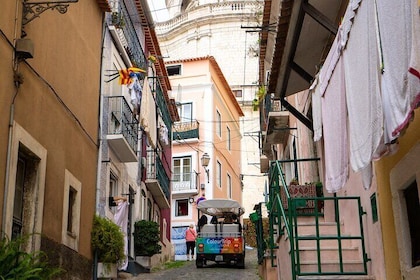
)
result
[(334, 121), (364, 104), (414, 69), (316, 109), (395, 19), (121, 220)]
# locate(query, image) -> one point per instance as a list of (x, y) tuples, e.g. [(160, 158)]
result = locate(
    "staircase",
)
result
[(319, 253)]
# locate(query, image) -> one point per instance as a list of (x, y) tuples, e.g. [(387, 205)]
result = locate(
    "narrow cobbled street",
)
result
[(210, 272)]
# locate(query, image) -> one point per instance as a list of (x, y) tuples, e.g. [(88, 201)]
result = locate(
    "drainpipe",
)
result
[(100, 139)]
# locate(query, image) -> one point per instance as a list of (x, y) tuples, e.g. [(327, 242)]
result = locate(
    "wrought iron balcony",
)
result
[(185, 183), (157, 180), (123, 30), (161, 102), (123, 128), (186, 130)]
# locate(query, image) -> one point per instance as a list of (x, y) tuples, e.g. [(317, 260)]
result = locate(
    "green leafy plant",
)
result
[(259, 97), (146, 238), (118, 20), (18, 264), (107, 240)]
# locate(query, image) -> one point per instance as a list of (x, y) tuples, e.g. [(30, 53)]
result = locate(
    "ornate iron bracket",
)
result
[(32, 10)]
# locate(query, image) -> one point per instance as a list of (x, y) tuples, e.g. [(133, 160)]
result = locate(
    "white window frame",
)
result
[(228, 139), (113, 189), (71, 239), (219, 174), (176, 208), (218, 124), (401, 176), (229, 185), (22, 137), (184, 114)]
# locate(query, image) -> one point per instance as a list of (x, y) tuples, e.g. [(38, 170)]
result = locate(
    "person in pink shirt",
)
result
[(190, 236)]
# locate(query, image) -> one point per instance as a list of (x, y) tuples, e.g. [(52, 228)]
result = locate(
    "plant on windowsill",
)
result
[(146, 241), (108, 245)]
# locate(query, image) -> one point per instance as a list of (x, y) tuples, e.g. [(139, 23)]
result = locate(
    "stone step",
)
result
[(326, 243), (329, 253), (331, 266), (337, 277), (323, 227)]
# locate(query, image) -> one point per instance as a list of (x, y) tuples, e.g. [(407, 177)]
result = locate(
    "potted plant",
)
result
[(146, 241), (108, 245)]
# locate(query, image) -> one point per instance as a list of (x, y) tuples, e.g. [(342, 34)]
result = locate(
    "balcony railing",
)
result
[(120, 19), (156, 179), (212, 10), (161, 102), (186, 130), (184, 183), (122, 128)]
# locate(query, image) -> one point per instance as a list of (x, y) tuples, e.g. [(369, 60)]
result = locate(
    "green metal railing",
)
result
[(284, 220), (256, 218), (161, 102), (186, 130)]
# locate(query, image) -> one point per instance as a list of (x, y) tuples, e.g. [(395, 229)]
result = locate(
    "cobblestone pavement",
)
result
[(210, 272)]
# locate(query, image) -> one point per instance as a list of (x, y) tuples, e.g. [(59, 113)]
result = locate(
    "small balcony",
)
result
[(186, 130), (161, 102), (277, 123), (123, 128), (185, 184), (157, 181), (124, 34)]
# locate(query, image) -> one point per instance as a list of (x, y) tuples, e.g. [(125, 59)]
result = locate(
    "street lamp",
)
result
[(205, 159)]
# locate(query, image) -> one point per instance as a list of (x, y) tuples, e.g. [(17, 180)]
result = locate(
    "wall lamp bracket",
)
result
[(32, 9)]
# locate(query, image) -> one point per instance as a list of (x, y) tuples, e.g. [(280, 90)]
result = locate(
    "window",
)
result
[(374, 207), (218, 123), (174, 70), (411, 195), (219, 174), (295, 164), (71, 211), (157, 217), (181, 208), (229, 186), (113, 191), (18, 201), (185, 112), (30, 162), (149, 210), (237, 92), (24, 191), (228, 138), (143, 207), (182, 169)]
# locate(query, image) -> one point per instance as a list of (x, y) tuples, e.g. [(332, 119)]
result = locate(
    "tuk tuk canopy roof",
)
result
[(220, 207)]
